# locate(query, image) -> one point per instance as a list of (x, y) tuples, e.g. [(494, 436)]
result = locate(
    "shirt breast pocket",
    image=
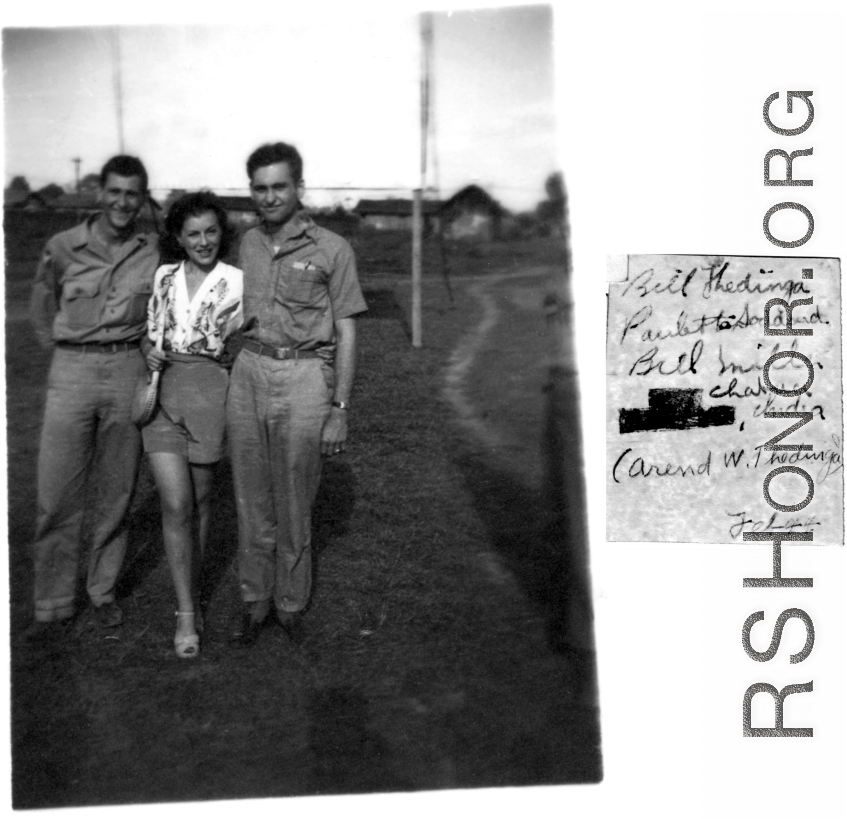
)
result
[(302, 289), (140, 293), (81, 302)]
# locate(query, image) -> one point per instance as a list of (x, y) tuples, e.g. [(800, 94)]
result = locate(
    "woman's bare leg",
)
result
[(176, 495)]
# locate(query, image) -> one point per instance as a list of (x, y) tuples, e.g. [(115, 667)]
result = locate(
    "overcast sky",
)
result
[(343, 88)]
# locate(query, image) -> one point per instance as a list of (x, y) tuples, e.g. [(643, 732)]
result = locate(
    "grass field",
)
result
[(436, 653)]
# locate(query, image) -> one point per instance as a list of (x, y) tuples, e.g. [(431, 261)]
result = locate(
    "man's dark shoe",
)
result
[(249, 630), (292, 625), (252, 621), (41, 633), (109, 615)]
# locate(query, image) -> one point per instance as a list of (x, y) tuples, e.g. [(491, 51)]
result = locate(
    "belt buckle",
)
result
[(282, 353)]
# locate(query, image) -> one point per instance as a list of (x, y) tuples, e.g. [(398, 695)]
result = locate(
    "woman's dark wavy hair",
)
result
[(193, 204)]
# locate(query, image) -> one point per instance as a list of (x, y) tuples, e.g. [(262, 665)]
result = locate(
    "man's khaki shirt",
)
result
[(85, 291), (294, 293)]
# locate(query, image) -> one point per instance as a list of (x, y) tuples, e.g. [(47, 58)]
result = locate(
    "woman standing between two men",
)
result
[(198, 303)]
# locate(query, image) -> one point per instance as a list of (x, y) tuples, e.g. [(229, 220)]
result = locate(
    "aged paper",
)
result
[(690, 392)]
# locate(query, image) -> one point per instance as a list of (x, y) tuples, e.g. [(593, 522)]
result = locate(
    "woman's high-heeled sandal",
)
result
[(187, 646)]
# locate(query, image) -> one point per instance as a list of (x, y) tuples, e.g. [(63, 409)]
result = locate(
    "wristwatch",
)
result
[(342, 405)]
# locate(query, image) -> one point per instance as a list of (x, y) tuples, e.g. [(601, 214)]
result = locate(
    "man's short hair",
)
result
[(271, 154), (124, 165)]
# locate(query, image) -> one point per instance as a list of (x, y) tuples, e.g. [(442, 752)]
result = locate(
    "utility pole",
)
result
[(417, 205), (118, 84), (77, 161)]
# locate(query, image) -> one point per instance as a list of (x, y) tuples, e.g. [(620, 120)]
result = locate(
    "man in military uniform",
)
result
[(289, 395), (89, 304)]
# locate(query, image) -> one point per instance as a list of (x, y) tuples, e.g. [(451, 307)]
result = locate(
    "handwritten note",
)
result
[(689, 392)]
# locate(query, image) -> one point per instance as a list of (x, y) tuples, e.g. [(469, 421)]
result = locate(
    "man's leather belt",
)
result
[(279, 353), (99, 347)]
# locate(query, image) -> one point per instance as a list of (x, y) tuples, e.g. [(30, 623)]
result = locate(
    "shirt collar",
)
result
[(300, 225), (83, 235)]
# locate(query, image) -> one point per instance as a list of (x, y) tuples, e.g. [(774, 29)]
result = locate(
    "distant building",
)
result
[(240, 211), (82, 204), (85, 204), (396, 214), (469, 214), (29, 201), (472, 214)]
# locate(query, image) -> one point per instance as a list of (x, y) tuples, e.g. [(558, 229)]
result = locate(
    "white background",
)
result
[(662, 142), (667, 157)]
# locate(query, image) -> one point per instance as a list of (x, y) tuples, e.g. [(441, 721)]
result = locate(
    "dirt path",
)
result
[(496, 374), (513, 386), (499, 297)]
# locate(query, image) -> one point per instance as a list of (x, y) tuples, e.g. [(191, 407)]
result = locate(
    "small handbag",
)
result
[(146, 395), (145, 399)]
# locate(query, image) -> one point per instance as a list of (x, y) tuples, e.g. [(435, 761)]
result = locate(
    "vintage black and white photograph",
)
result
[(296, 490)]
